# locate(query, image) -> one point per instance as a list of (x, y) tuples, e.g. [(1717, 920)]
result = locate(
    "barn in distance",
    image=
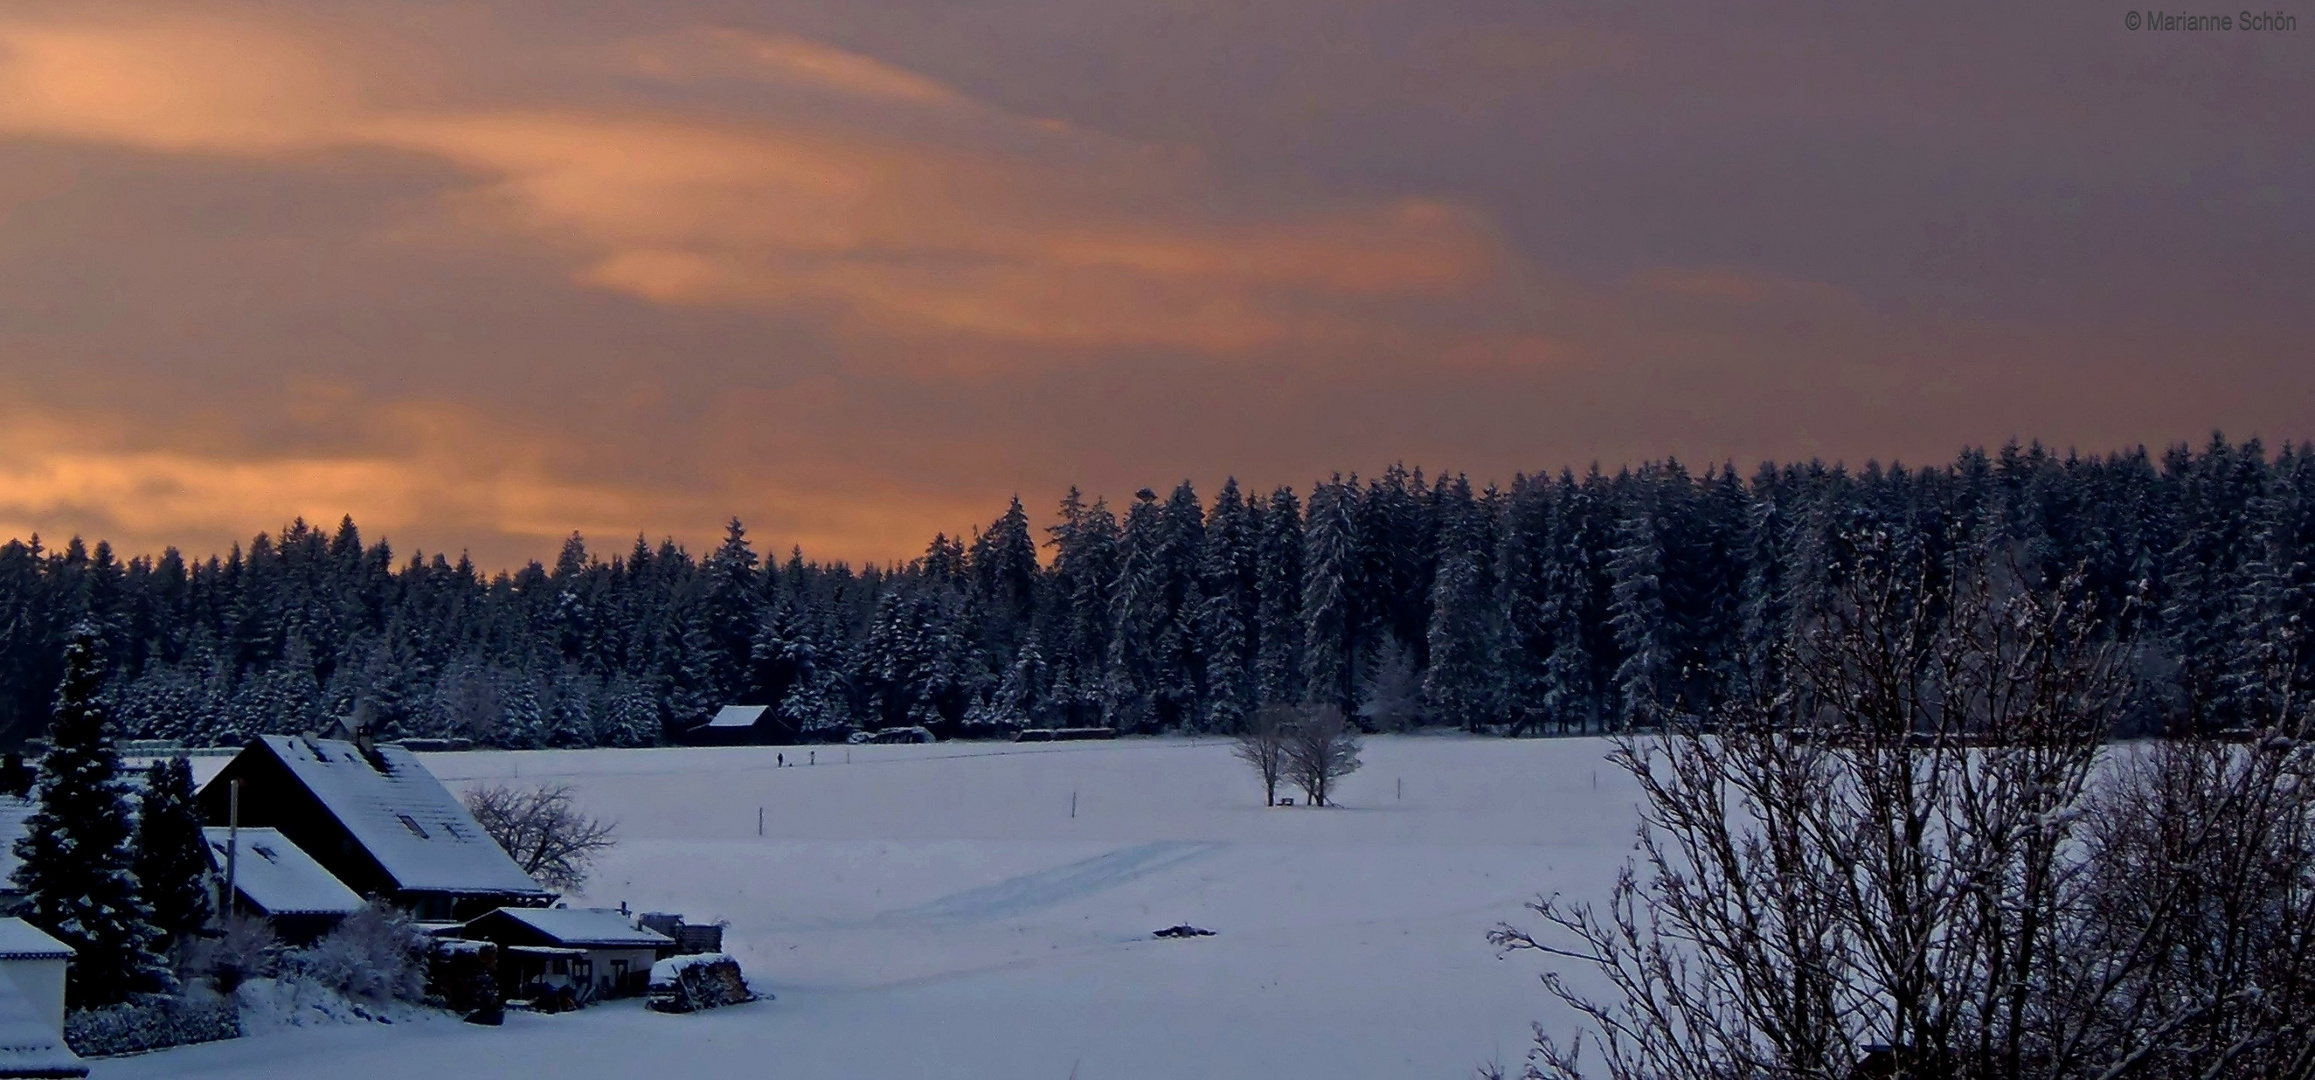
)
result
[(742, 725)]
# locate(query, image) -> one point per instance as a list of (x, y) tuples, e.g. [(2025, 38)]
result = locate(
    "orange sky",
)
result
[(483, 274)]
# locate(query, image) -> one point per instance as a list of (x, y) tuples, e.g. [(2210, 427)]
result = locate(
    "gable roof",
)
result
[(417, 831), (20, 940), (737, 716), (278, 878), (599, 928)]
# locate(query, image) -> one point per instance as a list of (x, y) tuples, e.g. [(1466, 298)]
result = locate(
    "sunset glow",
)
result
[(483, 275)]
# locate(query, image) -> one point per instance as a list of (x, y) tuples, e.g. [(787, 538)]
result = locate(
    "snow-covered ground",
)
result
[(936, 911)]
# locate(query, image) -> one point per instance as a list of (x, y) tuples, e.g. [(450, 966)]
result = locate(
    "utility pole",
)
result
[(759, 821), (232, 844)]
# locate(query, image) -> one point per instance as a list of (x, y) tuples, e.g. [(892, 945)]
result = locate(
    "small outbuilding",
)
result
[(32, 966), (742, 725), (29, 1047), (597, 952), (278, 882)]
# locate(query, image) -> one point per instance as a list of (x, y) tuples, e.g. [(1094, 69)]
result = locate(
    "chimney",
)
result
[(360, 724)]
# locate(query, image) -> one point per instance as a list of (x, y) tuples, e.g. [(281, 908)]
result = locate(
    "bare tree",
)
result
[(1911, 855), (1262, 745), (1321, 748), (543, 830)]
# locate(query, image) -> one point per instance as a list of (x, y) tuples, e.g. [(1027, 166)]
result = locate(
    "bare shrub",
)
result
[(543, 830), (1910, 855), (1261, 744), (243, 947), (1321, 748)]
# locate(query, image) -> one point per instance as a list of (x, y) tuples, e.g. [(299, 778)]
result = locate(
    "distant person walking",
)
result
[(781, 760)]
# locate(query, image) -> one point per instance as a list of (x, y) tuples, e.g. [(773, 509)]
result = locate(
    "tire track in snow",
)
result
[(1059, 885)]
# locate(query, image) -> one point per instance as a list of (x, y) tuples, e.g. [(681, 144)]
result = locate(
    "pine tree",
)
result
[(172, 862), (1180, 670), (1004, 563), (77, 870), (733, 611), (1462, 685), (1228, 619), (1333, 621), (1278, 654), (1085, 571), (1525, 575), (1131, 682), (1642, 620), (1580, 670)]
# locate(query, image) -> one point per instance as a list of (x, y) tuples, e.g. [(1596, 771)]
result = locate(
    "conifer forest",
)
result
[(1556, 604)]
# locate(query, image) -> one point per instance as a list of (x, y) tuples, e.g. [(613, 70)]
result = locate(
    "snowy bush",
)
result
[(290, 1001), (375, 956), (151, 1022)]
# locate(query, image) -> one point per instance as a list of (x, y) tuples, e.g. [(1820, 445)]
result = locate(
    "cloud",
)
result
[(171, 84), (724, 52), (1027, 237)]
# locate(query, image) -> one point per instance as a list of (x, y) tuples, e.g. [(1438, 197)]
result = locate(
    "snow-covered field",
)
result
[(936, 911)]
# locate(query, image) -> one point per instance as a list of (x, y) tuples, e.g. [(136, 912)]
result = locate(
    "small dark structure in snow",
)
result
[(689, 938), (910, 734), (377, 821), (1183, 930), (1064, 734), (591, 952), (691, 983), (434, 746), (278, 882), (464, 974), (742, 725)]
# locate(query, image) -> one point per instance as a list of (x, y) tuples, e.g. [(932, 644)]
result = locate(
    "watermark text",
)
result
[(2188, 22)]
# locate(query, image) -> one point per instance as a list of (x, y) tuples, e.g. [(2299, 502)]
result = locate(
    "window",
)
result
[(411, 824), (451, 827), (265, 853)]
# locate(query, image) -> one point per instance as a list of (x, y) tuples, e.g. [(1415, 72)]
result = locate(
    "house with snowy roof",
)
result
[(377, 820), (277, 881), (597, 952)]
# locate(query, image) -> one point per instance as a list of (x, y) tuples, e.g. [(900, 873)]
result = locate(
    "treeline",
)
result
[(1559, 604)]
